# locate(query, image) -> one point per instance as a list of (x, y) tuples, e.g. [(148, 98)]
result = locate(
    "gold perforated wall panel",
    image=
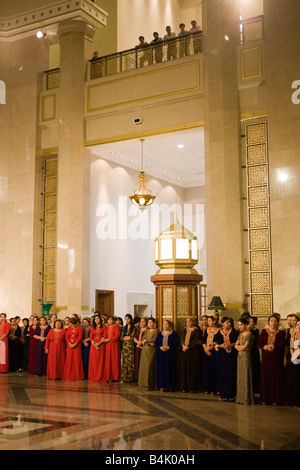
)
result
[(258, 215), (49, 229)]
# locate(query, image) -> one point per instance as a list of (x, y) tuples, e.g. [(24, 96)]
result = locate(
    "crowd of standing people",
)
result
[(215, 357)]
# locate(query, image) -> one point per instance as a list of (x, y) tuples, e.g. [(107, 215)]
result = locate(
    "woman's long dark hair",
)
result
[(128, 328), (94, 323)]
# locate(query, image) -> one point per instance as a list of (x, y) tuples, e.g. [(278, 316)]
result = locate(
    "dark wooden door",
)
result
[(104, 301)]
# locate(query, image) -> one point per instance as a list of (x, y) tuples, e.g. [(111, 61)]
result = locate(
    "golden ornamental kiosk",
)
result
[(176, 282)]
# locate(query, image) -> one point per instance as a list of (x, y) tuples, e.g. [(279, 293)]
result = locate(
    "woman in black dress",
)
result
[(190, 358)]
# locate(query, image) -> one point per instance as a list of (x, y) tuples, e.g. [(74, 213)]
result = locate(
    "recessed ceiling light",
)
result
[(148, 166), (132, 160), (179, 179), (165, 173), (180, 146)]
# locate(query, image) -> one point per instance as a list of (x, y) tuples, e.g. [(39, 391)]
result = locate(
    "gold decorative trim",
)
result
[(49, 151), (82, 308), (76, 33), (131, 77), (259, 74), (234, 306), (145, 133), (253, 114)]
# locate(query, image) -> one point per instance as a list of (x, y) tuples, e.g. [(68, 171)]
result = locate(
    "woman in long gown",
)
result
[(26, 338), (272, 342), (295, 360), (55, 348), (138, 338), (166, 344), (147, 367), (14, 346), (112, 352), (32, 347), (226, 358), (4, 332), (288, 365), (73, 369), (244, 387), (209, 365), (190, 358), (127, 336), (41, 332), (98, 335), (86, 345), (255, 355)]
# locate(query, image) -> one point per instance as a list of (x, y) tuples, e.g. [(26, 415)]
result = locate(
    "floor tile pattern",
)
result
[(38, 414)]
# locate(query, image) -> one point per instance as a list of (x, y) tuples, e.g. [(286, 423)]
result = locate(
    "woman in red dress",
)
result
[(98, 335), (4, 332), (272, 343), (73, 369), (32, 347), (55, 348), (112, 352)]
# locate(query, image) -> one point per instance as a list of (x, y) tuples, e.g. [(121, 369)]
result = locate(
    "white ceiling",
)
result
[(183, 167)]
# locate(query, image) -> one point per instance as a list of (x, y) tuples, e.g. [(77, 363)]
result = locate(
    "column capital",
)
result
[(75, 28)]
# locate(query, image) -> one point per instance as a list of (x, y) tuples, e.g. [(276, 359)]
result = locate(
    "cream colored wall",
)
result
[(105, 41), (136, 18), (122, 237)]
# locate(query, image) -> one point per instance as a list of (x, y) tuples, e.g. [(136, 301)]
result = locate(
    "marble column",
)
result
[(225, 269), (22, 63), (72, 262)]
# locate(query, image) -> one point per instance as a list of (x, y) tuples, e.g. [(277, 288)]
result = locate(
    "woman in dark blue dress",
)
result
[(42, 329), (86, 345), (226, 359), (166, 344), (209, 365)]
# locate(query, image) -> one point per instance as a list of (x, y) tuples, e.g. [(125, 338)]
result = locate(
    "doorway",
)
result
[(104, 301)]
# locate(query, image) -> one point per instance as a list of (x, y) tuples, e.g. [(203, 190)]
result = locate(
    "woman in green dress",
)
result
[(126, 338), (244, 389), (147, 367)]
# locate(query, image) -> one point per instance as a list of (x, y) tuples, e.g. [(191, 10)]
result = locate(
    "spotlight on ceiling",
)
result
[(41, 34)]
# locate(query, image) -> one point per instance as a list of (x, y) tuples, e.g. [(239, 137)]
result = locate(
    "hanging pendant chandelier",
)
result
[(142, 197)]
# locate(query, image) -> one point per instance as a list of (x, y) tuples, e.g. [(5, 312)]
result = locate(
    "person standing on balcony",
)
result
[(172, 48), (182, 44), (170, 34), (145, 57), (158, 51), (195, 28), (196, 40)]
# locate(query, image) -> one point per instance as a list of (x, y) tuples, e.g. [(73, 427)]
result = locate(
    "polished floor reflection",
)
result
[(36, 413)]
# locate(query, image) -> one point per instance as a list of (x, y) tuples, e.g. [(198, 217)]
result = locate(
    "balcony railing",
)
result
[(252, 29), (139, 57), (51, 79)]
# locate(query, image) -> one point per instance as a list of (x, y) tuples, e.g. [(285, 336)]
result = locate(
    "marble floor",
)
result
[(38, 414)]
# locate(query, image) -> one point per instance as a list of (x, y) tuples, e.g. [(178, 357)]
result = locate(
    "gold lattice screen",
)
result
[(49, 229), (260, 265)]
